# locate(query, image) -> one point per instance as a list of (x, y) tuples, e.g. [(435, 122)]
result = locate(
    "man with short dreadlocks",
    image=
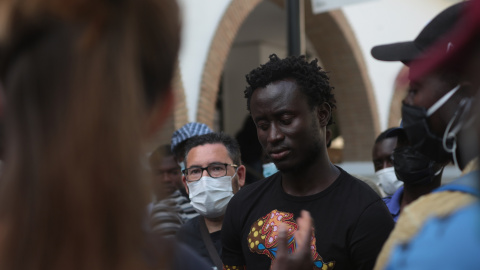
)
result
[(291, 103)]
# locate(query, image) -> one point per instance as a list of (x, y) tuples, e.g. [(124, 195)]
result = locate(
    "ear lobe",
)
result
[(242, 173), (324, 113)]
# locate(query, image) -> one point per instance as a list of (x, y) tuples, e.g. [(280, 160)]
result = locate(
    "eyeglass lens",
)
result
[(214, 170)]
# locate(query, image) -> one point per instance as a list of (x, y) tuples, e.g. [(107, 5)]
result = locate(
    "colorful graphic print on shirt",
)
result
[(263, 235)]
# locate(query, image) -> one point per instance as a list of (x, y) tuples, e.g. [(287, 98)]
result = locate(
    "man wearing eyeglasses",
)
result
[(213, 174)]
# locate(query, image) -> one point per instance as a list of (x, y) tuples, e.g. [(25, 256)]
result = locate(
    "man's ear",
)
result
[(184, 181), (161, 110), (324, 113), (242, 173)]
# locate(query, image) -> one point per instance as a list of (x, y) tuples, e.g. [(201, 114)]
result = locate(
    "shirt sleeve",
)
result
[(371, 231), (231, 235)]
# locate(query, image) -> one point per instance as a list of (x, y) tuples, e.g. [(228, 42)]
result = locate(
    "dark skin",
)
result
[(425, 91), (382, 153), (294, 137)]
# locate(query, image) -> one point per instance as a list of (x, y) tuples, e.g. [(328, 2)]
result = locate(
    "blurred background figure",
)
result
[(382, 153), (419, 174), (251, 150), (85, 83), (169, 209)]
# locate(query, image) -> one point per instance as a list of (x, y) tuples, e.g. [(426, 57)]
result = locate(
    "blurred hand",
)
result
[(302, 257)]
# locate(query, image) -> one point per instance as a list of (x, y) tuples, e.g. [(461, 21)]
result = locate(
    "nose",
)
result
[(274, 134), (205, 172)]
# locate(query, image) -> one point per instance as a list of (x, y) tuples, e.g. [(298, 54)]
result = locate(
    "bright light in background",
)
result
[(319, 6)]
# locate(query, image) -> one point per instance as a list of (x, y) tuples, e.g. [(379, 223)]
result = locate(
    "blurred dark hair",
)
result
[(80, 78), (158, 154)]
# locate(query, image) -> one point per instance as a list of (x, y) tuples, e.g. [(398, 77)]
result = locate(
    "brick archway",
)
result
[(229, 25), (399, 92), (338, 50)]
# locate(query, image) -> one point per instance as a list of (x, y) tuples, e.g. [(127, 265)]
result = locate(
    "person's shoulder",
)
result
[(356, 183), (438, 204), (251, 193), (259, 185), (455, 236), (190, 225)]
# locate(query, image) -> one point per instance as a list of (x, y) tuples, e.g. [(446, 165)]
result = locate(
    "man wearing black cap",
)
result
[(435, 116)]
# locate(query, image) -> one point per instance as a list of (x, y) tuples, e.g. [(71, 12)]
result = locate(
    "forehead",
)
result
[(168, 163), (203, 155), (277, 95), (384, 147)]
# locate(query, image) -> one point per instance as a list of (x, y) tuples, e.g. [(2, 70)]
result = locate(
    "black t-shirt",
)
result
[(190, 235), (351, 224)]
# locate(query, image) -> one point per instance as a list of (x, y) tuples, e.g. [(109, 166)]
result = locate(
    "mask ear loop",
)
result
[(451, 133)]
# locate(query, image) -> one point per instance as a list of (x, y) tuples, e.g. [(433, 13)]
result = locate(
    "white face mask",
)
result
[(210, 196), (388, 180), (269, 169)]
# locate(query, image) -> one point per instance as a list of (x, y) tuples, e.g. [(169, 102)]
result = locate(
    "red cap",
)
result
[(455, 48)]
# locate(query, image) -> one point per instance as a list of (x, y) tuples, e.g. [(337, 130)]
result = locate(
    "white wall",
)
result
[(200, 20), (387, 21), (374, 23)]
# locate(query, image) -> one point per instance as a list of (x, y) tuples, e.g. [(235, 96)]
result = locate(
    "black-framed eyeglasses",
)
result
[(215, 170)]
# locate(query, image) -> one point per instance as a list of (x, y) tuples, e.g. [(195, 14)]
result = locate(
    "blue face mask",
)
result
[(182, 166), (269, 169)]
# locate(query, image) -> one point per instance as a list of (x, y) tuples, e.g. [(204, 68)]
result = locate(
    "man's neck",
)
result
[(411, 193), (310, 180), (214, 224)]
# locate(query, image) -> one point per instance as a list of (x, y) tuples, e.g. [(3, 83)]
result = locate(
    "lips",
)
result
[(279, 154)]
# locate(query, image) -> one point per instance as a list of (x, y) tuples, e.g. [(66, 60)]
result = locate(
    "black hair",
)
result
[(163, 151), (216, 137), (311, 78), (384, 134)]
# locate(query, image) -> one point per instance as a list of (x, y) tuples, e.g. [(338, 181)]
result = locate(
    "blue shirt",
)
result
[(393, 203), (451, 242), (443, 243)]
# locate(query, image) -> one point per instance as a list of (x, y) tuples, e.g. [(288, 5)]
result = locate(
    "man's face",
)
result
[(204, 155), (288, 130), (167, 176), (424, 93), (382, 153)]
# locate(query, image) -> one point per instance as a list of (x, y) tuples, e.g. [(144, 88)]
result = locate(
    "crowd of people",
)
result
[(86, 82)]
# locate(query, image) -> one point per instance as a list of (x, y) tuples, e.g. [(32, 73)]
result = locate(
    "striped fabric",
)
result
[(187, 131), (168, 215)]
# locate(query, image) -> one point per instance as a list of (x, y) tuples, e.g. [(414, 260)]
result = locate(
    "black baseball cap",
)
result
[(411, 50)]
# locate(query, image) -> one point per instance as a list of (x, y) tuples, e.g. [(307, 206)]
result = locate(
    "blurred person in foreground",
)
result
[(438, 119), (291, 102), (85, 84), (214, 173), (166, 210)]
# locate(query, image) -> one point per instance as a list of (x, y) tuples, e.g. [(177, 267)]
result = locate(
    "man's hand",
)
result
[(302, 257)]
